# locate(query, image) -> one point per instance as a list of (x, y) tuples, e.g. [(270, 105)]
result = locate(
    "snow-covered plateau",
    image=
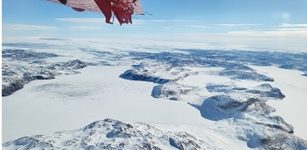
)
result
[(69, 95)]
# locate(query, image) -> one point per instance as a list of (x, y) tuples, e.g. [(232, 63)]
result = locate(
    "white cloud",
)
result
[(294, 25), (237, 25), (82, 20), (200, 26), (228, 25), (293, 29), (26, 27), (159, 21), (86, 28), (272, 33), (167, 20)]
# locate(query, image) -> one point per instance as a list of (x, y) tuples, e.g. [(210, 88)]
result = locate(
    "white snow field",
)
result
[(73, 101), (293, 107), (70, 102)]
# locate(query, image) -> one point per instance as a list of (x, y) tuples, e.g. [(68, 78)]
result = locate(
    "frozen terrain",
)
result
[(294, 86), (113, 134), (55, 96)]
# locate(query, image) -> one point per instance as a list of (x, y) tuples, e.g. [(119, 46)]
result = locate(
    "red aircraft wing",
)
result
[(121, 9)]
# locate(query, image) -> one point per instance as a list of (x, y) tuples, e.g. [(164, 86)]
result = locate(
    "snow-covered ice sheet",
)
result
[(72, 101), (293, 107), (211, 94)]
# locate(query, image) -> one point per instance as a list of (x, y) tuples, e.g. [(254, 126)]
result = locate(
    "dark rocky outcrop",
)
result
[(25, 55), (266, 90), (133, 75), (245, 75), (15, 77)]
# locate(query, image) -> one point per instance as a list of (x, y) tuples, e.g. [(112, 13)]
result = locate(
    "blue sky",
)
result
[(191, 19)]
